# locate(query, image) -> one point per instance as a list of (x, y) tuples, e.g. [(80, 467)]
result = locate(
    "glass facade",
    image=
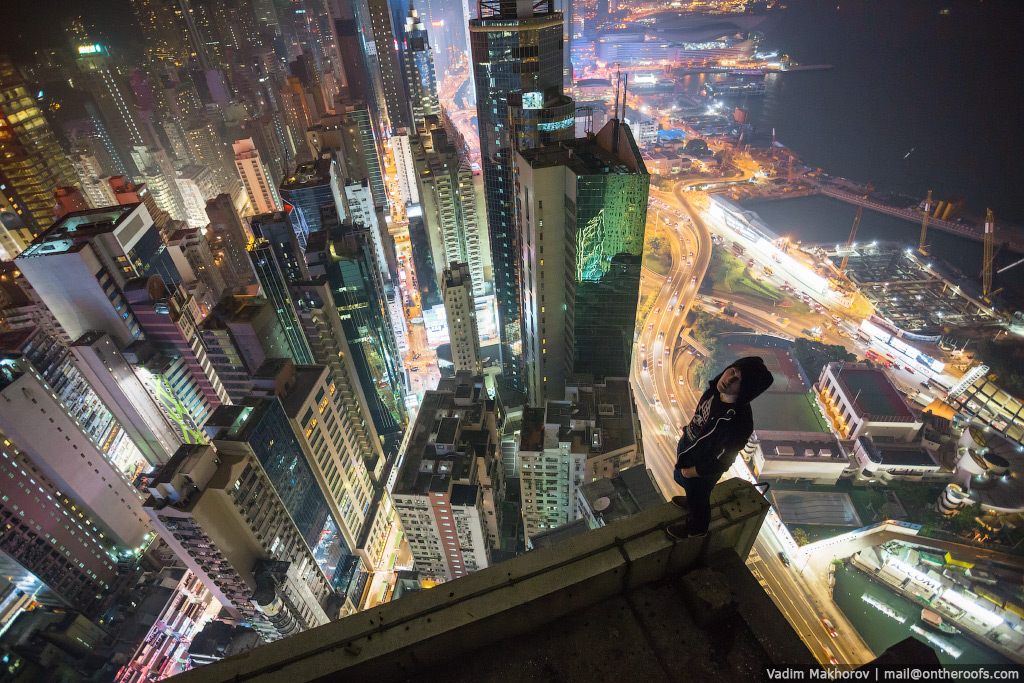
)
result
[(263, 424), (608, 220), (345, 254), (517, 69), (275, 288), (312, 186), (419, 69)]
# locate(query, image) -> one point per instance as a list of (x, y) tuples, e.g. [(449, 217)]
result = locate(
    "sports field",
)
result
[(789, 404)]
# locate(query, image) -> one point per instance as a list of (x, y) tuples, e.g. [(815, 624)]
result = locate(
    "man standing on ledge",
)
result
[(719, 429)]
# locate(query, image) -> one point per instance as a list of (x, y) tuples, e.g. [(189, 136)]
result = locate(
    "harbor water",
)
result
[(880, 630)]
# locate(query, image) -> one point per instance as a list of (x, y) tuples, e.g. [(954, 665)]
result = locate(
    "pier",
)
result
[(1010, 236)]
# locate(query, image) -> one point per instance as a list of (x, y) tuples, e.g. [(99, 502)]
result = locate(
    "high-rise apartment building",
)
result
[(316, 410), (405, 172), (222, 515), (460, 308), (259, 426), (196, 185), (451, 483), (240, 334), (229, 241), (32, 164), (581, 212), (449, 204), (201, 278), (92, 175), (65, 452), (96, 252), (593, 433), (51, 551), (345, 253), (170, 320), (263, 196), (419, 69), (517, 68), (322, 324), (360, 208)]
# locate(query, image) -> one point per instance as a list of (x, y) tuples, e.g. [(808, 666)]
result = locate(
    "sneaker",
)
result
[(680, 502), (681, 530)]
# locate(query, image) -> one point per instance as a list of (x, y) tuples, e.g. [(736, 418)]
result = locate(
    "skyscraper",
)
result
[(259, 426), (258, 185), (517, 67), (274, 284), (449, 203), (32, 164), (44, 530), (316, 410), (113, 98), (345, 254), (419, 69), (581, 214), (313, 185), (395, 101), (460, 308)]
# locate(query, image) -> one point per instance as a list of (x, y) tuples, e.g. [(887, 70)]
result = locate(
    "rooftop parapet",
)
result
[(624, 601)]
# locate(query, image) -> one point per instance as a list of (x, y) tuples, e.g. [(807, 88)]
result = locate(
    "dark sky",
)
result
[(37, 23)]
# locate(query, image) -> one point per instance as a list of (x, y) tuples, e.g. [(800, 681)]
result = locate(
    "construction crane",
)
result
[(986, 266), (922, 247), (849, 242)]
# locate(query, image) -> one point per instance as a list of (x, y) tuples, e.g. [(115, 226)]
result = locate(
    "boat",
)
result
[(883, 608), (930, 618), (946, 647)]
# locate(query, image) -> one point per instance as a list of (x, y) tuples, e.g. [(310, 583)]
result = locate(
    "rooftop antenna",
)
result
[(620, 121), (615, 120), (625, 87)]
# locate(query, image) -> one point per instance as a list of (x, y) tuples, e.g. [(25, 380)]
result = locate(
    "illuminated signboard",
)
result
[(89, 49), (533, 100), (557, 125)]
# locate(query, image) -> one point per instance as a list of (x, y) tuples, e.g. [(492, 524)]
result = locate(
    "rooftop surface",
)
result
[(779, 445), (608, 407), (896, 455), (447, 417), (310, 174), (78, 227), (633, 490), (872, 393)]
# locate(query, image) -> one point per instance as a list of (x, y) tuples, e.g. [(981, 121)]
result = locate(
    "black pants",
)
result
[(698, 499)]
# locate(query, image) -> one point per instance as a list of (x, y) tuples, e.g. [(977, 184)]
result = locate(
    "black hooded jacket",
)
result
[(718, 430)]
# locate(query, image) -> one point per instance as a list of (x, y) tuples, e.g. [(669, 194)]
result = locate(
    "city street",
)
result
[(803, 598)]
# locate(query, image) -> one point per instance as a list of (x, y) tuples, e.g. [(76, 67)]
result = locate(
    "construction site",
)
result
[(907, 292)]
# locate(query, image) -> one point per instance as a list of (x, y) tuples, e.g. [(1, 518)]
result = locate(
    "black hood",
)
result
[(755, 378)]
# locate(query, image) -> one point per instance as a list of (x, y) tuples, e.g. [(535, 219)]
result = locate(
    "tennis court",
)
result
[(779, 362)]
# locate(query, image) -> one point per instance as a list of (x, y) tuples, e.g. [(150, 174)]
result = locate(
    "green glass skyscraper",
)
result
[(581, 213)]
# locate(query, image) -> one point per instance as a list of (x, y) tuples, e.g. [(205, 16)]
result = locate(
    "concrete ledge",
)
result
[(431, 627)]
